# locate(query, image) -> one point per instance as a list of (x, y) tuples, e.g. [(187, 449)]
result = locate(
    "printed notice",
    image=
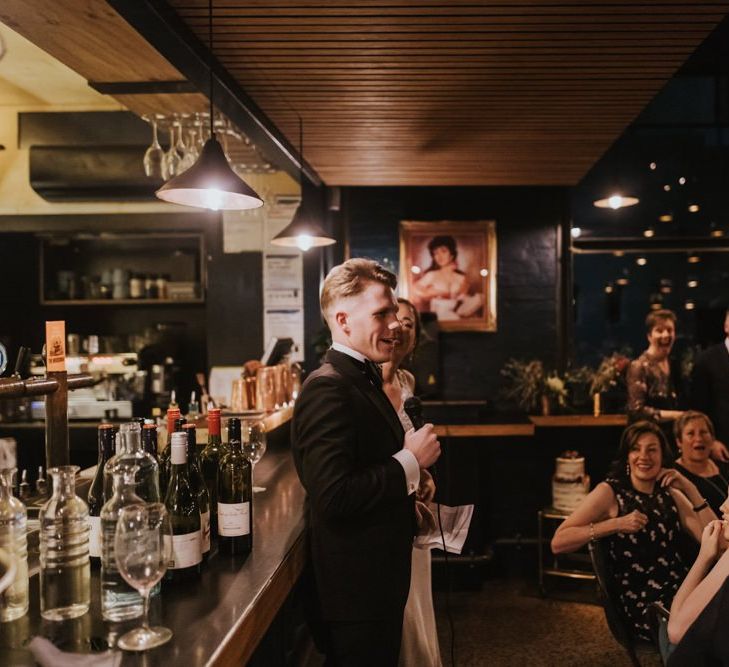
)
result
[(56, 346)]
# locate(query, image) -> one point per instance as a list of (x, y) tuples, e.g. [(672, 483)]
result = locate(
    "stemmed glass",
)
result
[(154, 156), (143, 547), (254, 446), (172, 157)]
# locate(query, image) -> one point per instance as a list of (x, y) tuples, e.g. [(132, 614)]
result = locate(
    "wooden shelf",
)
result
[(120, 302)]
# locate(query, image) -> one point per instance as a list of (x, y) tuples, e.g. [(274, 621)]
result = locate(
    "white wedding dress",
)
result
[(419, 646)]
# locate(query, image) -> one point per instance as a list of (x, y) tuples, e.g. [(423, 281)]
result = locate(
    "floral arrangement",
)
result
[(610, 374), (528, 384)]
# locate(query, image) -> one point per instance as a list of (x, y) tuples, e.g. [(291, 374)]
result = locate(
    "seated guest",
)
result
[(702, 600), (694, 437), (641, 508)]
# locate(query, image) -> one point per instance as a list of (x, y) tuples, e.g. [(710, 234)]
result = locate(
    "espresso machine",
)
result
[(119, 383)]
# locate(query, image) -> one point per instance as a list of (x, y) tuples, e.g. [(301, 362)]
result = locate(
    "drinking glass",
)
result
[(154, 157), (172, 157), (254, 446), (143, 547)]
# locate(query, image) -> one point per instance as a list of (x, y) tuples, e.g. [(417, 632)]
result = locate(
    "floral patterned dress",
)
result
[(647, 565), (650, 388)]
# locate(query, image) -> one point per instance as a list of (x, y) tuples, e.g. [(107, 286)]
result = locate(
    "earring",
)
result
[(627, 469)]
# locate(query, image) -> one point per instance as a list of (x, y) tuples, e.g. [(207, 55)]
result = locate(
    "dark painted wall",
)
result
[(527, 228)]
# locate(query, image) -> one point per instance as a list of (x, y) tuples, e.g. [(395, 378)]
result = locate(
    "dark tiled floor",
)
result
[(507, 623)]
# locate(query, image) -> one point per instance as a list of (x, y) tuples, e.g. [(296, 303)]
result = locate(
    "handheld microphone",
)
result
[(413, 407)]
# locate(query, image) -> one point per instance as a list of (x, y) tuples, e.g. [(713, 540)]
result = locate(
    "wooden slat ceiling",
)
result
[(419, 92)]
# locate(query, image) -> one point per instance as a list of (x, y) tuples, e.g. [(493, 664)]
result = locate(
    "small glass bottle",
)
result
[(65, 575), (96, 497), (129, 450), (13, 520), (136, 286), (119, 601)]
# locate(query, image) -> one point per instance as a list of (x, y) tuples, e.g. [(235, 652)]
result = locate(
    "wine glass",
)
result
[(154, 156), (172, 157), (254, 446), (143, 548)]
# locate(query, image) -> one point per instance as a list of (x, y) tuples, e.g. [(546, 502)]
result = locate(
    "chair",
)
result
[(617, 622)]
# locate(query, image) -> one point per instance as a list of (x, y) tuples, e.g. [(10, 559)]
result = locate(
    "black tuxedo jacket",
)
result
[(710, 388), (360, 519)]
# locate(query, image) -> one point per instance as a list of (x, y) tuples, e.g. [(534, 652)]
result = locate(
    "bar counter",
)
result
[(218, 620)]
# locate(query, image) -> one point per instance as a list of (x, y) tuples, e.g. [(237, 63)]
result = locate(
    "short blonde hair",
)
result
[(681, 423), (350, 279)]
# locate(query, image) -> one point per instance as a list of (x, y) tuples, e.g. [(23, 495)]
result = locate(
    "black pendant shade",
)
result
[(302, 233), (210, 183)]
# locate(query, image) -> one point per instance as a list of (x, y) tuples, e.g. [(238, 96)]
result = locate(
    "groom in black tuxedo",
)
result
[(360, 472), (710, 384)]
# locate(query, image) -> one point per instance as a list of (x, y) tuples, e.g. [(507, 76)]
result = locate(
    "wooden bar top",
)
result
[(527, 429), (217, 620)]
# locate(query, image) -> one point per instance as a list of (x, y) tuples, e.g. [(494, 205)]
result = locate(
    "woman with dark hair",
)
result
[(695, 436), (640, 509), (654, 381), (419, 635), (443, 283)]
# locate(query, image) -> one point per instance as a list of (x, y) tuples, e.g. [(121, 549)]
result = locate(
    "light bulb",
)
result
[(615, 202), (213, 199), (304, 242), (576, 232)]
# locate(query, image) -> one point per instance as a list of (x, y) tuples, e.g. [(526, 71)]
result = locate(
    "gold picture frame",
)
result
[(449, 268)]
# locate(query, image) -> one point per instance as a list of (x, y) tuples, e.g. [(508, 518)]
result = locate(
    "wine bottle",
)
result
[(97, 497), (149, 440), (198, 486), (209, 463), (173, 416), (184, 511), (235, 526)]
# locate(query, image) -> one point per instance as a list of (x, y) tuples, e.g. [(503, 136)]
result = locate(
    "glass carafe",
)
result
[(13, 518), (119, 601), (65, 587), (131, 453)]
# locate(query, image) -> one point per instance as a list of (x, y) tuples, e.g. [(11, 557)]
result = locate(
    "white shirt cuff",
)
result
[(412, 470)]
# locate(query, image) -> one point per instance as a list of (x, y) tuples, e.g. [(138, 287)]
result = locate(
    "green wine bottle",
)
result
[(97, 497), (235, 506), (184, 511), (209, 464), (198, 486), (174, 424)]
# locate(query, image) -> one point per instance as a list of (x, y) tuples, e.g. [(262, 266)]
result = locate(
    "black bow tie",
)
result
[(373, 372)]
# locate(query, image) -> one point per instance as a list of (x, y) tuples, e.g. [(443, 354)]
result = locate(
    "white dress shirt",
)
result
[(404, 457)]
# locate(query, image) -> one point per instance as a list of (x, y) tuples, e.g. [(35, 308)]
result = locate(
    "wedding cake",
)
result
[(570, 484)]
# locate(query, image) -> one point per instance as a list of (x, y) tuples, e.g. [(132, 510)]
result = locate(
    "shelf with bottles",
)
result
[(122, 269)]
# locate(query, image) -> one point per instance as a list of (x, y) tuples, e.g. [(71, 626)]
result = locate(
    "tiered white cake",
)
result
[(570, 484)]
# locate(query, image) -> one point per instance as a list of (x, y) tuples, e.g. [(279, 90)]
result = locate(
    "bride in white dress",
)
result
[(419, 646)]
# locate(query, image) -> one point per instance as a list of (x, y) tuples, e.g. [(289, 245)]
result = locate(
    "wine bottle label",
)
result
[(205, 529), (234, 519), (186, 550), (95, 536)]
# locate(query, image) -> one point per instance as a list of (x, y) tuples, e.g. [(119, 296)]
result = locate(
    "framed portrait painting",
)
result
[(449, 268)]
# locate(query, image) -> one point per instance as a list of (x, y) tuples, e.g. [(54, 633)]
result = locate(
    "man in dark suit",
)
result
[(710, 384), (360, 472)]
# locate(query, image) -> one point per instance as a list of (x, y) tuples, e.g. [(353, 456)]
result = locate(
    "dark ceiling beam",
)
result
[(165, 31)]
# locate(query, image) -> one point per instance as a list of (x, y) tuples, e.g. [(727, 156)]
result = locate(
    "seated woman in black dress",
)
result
[(641, 509), (694, 437), (700, 609)]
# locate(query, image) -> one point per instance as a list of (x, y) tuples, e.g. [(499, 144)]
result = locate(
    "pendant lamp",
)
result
[(302, 232), (616, 201), (210, 182)]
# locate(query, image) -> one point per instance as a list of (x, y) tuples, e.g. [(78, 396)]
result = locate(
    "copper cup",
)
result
[(266, 388)]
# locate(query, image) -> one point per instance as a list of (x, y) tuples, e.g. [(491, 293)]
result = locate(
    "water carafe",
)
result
[(65, 588), (119, 601), (13, 539)]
